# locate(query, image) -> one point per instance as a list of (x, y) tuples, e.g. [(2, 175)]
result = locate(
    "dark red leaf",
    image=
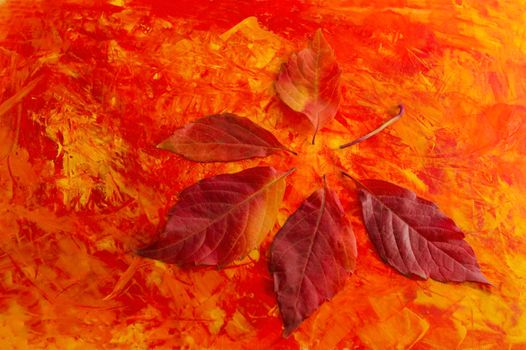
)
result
[(221, 138), (412, 235), (221, 218), (309, 82), (311, 257)]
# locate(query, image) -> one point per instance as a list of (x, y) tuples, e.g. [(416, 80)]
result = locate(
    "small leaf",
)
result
[(311, 257), (221, 218), (412, 235), (310, 82), (222, 138)]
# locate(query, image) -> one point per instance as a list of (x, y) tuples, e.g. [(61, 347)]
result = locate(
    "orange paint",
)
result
[(88, 89)]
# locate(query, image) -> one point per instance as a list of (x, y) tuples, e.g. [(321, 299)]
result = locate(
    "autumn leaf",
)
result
[(221, 138), (221, 218), (311, 257), (412, 235), (309, 82)]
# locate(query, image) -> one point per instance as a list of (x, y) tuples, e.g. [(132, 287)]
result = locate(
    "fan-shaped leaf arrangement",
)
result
[(220, 219)]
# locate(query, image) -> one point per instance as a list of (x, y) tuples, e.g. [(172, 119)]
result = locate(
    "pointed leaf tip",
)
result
[(309, 82), (221, 218), (414, 237), (311, 257), (222, 138)]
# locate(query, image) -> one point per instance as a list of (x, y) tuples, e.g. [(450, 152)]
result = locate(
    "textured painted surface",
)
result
[(87, 91)]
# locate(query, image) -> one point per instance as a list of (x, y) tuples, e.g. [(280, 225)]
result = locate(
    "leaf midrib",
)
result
[(247, 145), (309, 254), (418, 232), (229, 211)]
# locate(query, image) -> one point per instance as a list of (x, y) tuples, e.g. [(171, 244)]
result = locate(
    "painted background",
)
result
[(88, 88)]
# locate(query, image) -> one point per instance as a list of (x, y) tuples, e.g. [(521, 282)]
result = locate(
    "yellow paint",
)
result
[(218, 319), (238, 326), (458, 66), (388, 333), (14, 334)]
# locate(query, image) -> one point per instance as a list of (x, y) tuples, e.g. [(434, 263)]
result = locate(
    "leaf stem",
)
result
[(356, 181), (290, 171), (6, 105), (291, 151), (316, 131), (377, 130)]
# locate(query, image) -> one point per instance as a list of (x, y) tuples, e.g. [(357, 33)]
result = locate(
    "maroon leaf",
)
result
[(310, 82), (221, 218), (412, 235), (311, 257), (221, 138)]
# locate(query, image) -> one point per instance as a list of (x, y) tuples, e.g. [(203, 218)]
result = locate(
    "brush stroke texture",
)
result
[(80, 184)]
